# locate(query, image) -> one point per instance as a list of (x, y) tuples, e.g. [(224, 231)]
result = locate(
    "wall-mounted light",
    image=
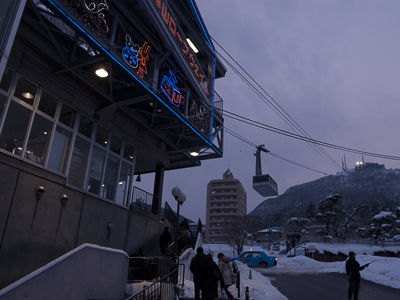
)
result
[(64, 199), (27, 95), (101, 72), (139, 178), (39, 192), (192, 46)]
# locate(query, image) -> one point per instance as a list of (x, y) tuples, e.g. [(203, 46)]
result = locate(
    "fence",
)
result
[(150, 268), (169, 214), (163, 289)]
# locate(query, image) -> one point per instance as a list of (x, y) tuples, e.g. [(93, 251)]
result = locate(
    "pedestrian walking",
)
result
[(353, 273), (195, 268), (210, 275), (165, 240), (229, 278)]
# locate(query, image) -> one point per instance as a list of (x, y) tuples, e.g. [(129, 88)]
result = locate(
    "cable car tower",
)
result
[(263, 184)]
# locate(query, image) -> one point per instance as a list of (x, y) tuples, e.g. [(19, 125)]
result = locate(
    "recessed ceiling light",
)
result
[(101, 73), (27, 95), (192, 46), (194, 153)]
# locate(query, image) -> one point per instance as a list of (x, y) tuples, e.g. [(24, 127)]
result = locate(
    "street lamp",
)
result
[(180, 198)]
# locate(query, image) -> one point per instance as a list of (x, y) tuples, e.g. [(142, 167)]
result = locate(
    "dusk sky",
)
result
[(333, 66)]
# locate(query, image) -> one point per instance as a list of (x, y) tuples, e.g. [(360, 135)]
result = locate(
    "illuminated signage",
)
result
[(180, 39), (136, 56), (97, 9), (168, 86)]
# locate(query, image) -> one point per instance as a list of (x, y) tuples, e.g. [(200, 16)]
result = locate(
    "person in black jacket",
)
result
[(353, 273), (165, 240), (210, 275), (195, 268)]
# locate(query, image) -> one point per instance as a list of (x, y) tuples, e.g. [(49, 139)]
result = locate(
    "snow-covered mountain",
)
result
[(381, 187)]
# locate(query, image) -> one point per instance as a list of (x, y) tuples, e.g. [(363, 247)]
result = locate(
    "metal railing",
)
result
[(150, 268), (163, 289), (142, 199), (169, 214)]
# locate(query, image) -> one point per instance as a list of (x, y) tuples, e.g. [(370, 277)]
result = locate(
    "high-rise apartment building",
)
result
[(226, 198)]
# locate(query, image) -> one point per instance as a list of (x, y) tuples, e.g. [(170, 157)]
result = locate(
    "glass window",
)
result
[(59, 150), (3, 100), (14, 129), (128, 151), (48, 104), (39, 137), (124, 184), (86, 126), (79, 158), (110, 178), (6, 79), (67, 115), (25, 90), (116, 143), (95, 171), (102, 136)]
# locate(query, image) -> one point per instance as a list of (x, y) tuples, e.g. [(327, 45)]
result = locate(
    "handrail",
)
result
[(141, 199), (152, 289)]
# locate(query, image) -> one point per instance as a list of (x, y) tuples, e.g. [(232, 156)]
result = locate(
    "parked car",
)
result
[(257, 259)]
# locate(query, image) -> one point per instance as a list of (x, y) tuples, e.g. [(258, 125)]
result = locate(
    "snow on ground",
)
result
[(386, 270), (260, 287)]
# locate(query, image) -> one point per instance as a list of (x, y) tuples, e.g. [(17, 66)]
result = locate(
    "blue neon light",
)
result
[(168, 86), (128, 71), (202, 26)]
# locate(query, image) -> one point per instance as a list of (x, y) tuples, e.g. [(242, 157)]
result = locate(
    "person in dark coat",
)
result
[(353, 273), (195, 268), (165, 240), (209, 284)]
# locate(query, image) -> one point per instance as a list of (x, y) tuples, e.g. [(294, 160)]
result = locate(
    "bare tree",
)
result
[(236, 230)]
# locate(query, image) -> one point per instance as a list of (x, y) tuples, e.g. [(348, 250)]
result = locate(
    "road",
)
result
[(327, 286)]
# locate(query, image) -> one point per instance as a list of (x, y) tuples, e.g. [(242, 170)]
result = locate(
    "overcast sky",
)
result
[(333, 66)]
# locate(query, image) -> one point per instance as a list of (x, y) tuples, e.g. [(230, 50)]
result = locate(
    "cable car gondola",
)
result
[(263, 184)]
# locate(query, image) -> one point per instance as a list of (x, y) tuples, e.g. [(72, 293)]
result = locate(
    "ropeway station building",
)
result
[(93, 93)]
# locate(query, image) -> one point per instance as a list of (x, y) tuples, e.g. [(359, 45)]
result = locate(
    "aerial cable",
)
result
[(236, 135), (302, 138), (284, 115)]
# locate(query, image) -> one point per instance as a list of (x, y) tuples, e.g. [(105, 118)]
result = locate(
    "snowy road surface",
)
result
[(330, 286)]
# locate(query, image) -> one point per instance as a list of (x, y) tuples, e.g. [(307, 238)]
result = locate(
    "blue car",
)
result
[(257, 259)]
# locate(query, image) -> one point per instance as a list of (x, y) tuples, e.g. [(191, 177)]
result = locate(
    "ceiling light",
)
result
[(101, 73), (194, 153), (192, 46), (27, 95)]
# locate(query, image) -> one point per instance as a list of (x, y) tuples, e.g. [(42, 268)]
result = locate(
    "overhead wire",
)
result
[(274, 106), (302, 138), (236, 135)]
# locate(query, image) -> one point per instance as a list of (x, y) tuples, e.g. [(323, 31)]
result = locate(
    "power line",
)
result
[(236, 135), (302, 138), (275, 107)]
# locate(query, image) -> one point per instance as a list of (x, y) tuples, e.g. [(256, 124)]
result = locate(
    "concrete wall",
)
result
[(88, 272), (35, 232)]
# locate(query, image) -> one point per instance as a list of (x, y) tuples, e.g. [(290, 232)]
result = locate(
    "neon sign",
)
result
[(136, 56), (199, 111), (179, 37), (96, 9), (130, 52), (169, 88), (144, 57)]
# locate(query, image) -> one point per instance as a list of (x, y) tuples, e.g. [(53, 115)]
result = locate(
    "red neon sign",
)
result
[(179, 37)]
